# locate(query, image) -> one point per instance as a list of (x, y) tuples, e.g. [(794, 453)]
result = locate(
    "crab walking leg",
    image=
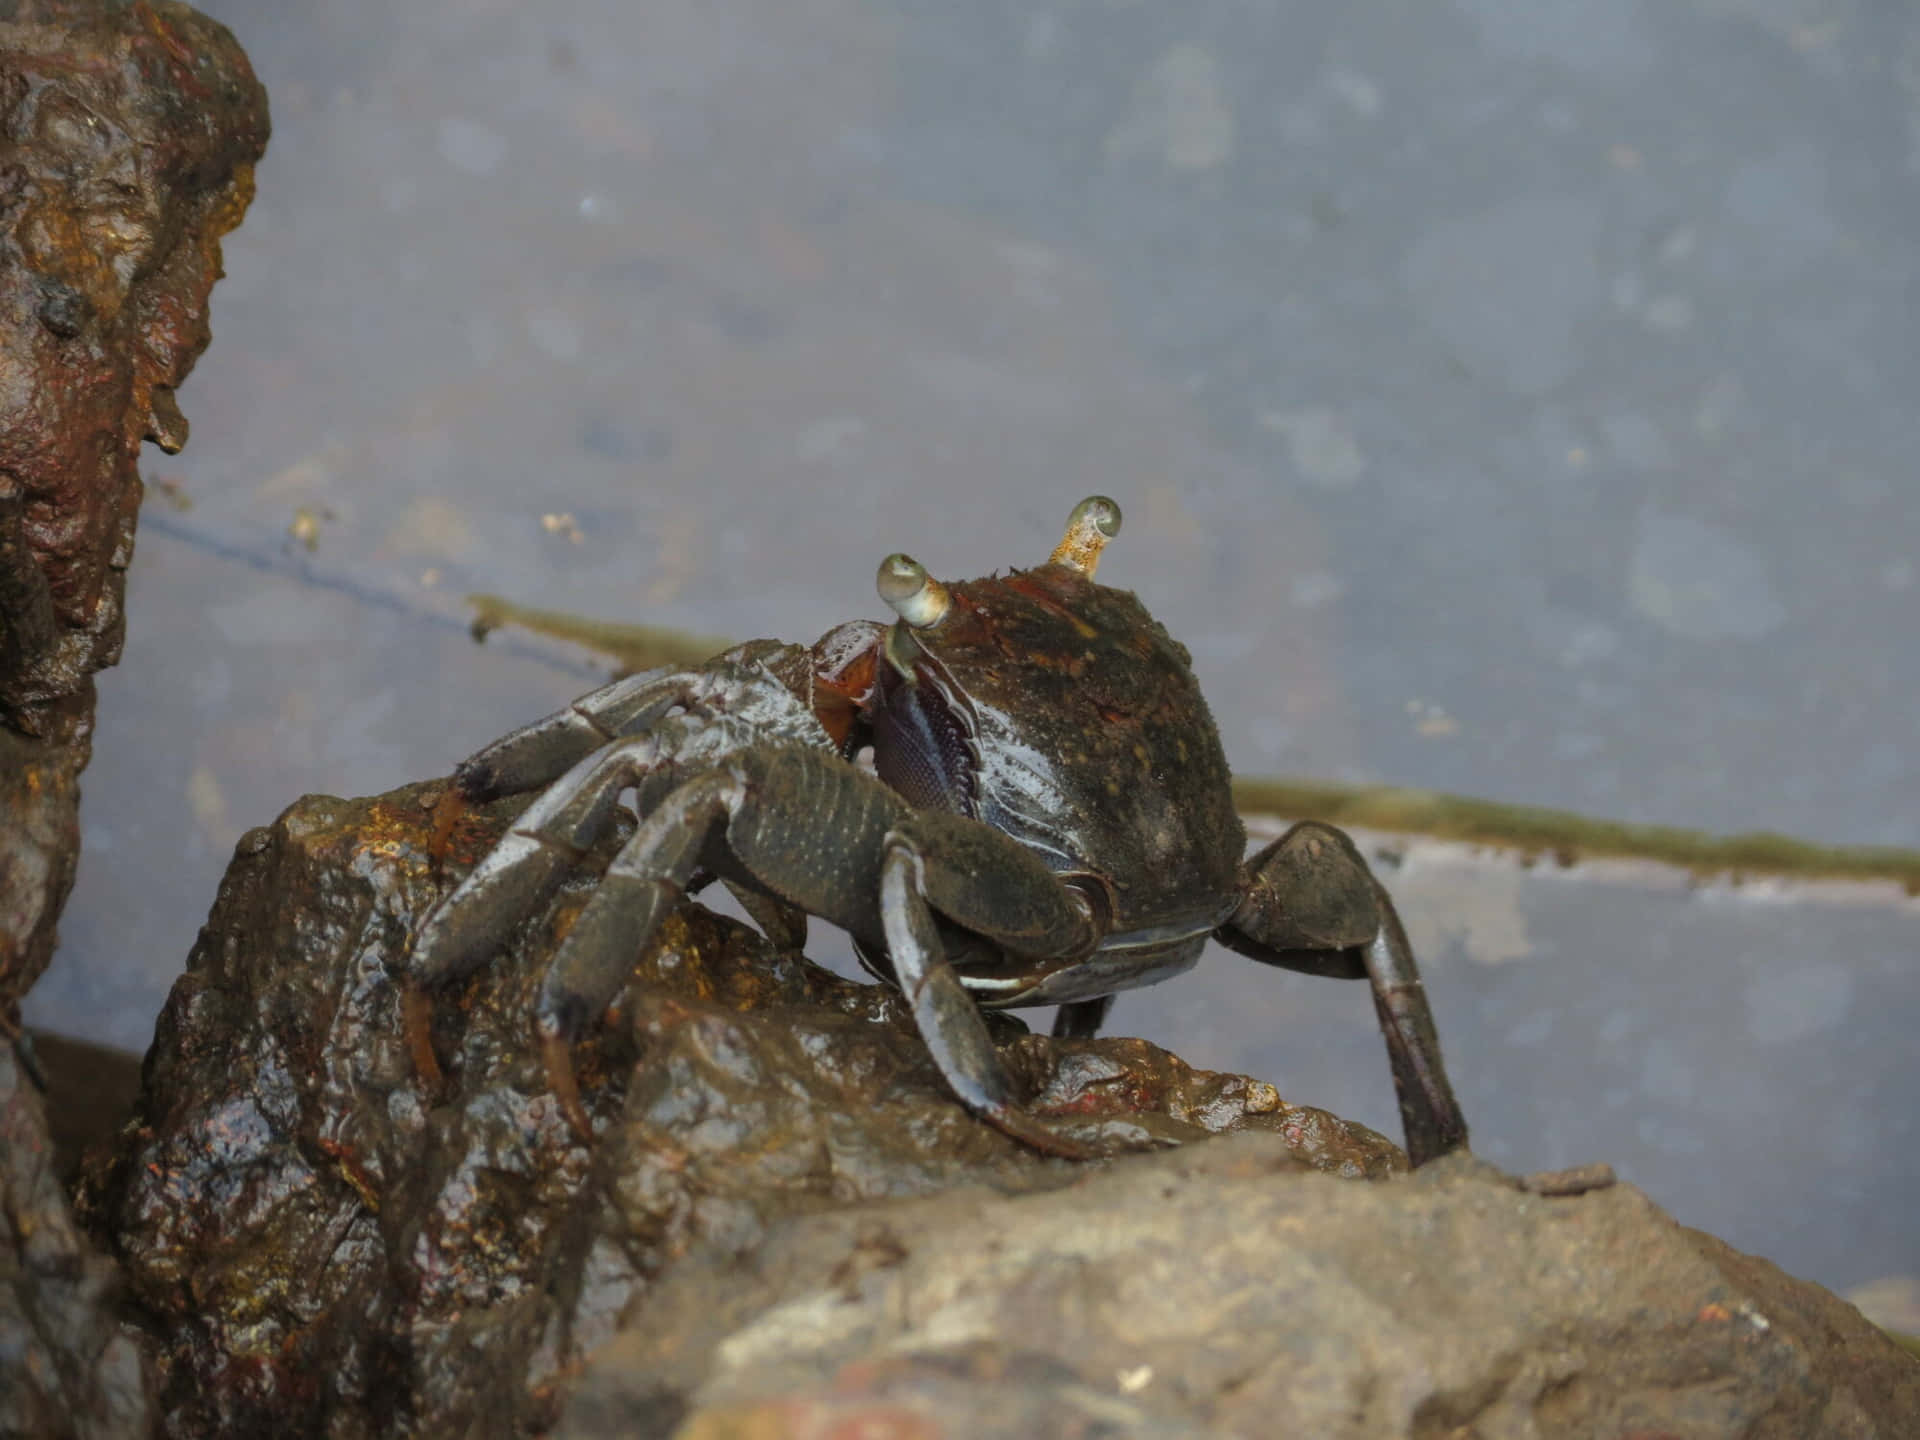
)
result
[(943, 861), (473, 919), (645, 881), (1082, 1019), (741, 679), (534, 754), (815, 832), (784, 925), (948, 1020), (800, 824), (1314, 905), (1430, 1116)]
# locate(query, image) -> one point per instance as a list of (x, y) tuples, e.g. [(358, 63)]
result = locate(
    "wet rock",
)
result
[(127, 139), (130, 135), (66, 1369), (316, 1242), (1227, 1290), (785, 1225)]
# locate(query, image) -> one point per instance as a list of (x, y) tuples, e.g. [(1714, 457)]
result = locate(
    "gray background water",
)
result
[(1515, 399)]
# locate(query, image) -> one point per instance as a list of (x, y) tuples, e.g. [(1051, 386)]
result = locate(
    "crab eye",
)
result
[(916, 597), (1094, 521)]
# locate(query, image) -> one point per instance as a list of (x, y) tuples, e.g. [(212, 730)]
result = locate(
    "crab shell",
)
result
[(1056, 710)]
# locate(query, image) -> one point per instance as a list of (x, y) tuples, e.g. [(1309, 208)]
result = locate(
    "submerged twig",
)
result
[(633, 647), (1567, 838)]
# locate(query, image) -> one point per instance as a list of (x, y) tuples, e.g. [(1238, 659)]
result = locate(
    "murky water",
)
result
[(1497, 404)]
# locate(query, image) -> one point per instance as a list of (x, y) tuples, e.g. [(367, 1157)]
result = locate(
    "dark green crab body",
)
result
[(1057, 711), (1048, 820)]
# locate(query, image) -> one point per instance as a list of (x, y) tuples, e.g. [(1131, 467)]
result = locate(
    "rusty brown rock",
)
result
[(320, 1244), (130, 133), (786, 1225)]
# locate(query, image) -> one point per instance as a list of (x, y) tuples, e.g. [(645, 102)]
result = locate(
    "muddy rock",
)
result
[(127, 139), (130, 135), (314, 1240)]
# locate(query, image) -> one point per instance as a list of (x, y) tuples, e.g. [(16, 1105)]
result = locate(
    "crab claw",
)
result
[(1094, 521), (916, 597)]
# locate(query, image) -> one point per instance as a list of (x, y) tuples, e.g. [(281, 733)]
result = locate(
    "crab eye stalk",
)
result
[(916, 597), (1094, 521)]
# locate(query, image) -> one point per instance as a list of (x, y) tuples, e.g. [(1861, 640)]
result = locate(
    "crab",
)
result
[(1046, 820)]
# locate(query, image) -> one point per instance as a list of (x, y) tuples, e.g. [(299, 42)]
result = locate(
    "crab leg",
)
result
[(472, 920), (745, 678), (1313, 905), (956, 1036), (816, 833), (799, 824), (1081, 1019), (1430, 1116), (645, 881), (534, 754)]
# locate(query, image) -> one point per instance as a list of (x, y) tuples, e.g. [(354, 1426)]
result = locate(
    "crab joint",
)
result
[(916, 597), (1094, 521)]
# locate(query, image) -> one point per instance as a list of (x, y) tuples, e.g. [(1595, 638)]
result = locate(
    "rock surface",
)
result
[(316, 1243), (128, 134), (131, 134), (785, 1226), (1227, 1290)]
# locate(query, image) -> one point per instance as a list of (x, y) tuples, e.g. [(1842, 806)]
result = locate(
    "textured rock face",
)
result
[(130, 137), (127, 139), (785, 1225), (1227, 1290), (317, 1243)]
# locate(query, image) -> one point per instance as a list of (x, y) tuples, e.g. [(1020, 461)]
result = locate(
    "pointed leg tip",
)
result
[(416, 1015), (1434, 1138), (556, 1055), (1012, 1121)]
